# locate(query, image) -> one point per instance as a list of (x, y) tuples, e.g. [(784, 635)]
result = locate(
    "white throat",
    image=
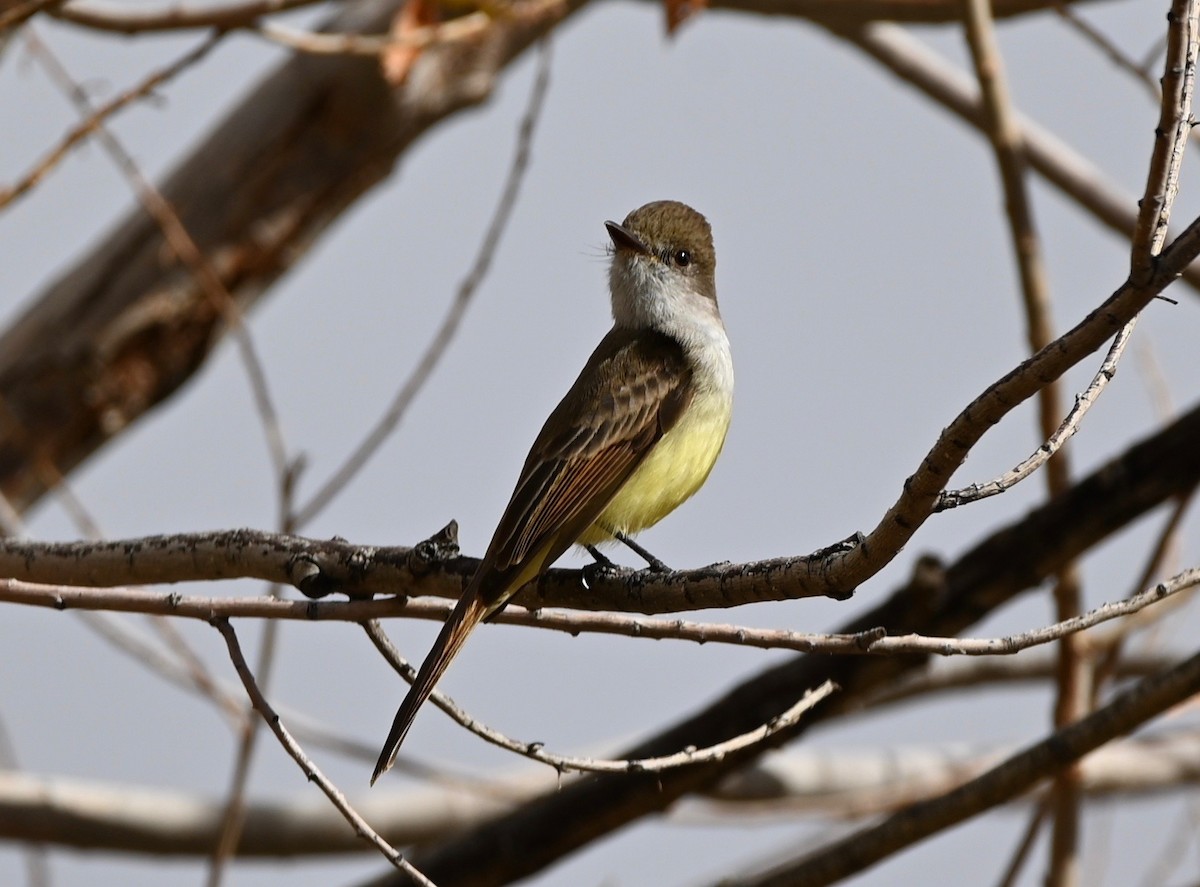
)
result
[(649, 295)]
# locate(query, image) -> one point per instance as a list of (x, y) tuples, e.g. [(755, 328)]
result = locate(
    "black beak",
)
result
[(623, 238)]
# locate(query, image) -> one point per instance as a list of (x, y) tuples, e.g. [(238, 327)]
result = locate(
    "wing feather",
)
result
[(636, 385)]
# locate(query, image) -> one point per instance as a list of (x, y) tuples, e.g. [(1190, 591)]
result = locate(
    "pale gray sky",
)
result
[(866, 279)]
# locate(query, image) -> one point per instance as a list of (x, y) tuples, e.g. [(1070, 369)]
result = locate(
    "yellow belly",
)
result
[(676, 468)]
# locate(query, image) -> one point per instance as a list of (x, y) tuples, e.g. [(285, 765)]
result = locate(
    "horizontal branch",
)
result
[(155, 821), (850, 784), (433, 567), (122, 20), (868, 642)]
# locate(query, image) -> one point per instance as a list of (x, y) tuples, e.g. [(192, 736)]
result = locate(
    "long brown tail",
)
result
[(469, 612)]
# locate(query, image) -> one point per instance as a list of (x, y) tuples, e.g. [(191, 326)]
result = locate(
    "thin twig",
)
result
[(458, 308), (534, 750), (870, 642), (311, 771), (1111, 51), (1028, 837), (1075, 175), (233, 817), (1083, 402), (1021, 855), (89, 125)]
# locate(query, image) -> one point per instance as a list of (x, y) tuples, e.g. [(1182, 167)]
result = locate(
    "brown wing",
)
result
[(633, 388), (632, 391)]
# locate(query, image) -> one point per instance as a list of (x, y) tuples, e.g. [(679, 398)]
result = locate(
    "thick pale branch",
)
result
[(155, 821), (854, 783)]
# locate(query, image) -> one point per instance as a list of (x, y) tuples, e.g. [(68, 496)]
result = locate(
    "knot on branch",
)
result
[(435, 551), (309, 579)]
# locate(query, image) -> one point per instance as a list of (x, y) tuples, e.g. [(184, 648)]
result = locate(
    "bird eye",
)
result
[(682, 258)]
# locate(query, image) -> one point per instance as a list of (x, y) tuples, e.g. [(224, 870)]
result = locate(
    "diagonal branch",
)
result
[(1131, 708), (311, 771)]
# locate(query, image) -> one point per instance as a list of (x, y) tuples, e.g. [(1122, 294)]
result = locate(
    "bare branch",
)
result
[(1063, 167), (853, 783), (310, 769), (1083, 402), (319, 568), (1147, 699), (1004, 134), (88, 126), (870, 641), (1170, 138), (842, 784), (534, 750)]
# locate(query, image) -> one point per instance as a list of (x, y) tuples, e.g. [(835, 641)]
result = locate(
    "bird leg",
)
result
[(655, 564), (600, 568)]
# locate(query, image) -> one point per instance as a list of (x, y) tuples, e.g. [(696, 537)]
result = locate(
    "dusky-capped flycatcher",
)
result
[(636, 435)]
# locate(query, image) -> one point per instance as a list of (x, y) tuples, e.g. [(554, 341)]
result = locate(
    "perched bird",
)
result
[(634, 437)]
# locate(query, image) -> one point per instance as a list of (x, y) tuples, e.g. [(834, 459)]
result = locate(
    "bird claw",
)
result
[(602, 568)]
